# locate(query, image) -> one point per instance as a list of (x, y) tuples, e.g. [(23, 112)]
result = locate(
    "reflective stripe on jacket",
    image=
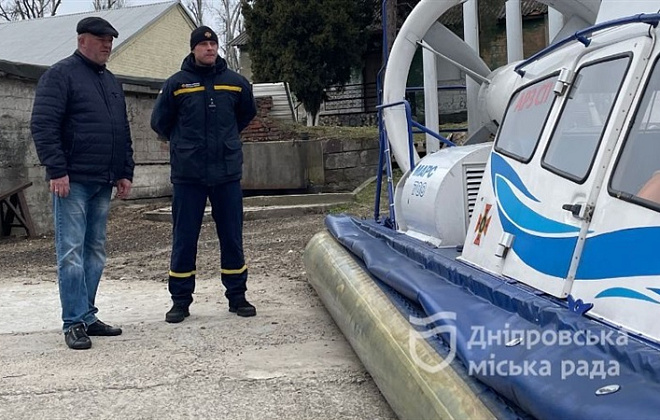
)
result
[(201, 111)]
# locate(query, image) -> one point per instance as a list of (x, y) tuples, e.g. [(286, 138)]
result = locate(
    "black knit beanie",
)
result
[(203, 33)]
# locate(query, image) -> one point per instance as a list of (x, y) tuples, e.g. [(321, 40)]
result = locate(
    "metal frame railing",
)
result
[(385, 157), (383, 143)]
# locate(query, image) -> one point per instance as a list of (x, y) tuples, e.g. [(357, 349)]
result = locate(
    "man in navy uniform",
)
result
[(201, 111)]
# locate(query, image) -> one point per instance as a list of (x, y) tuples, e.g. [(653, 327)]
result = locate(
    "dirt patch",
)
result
[(139, 249)]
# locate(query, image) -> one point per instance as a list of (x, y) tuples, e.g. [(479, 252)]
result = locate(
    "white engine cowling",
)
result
[(434, 201)]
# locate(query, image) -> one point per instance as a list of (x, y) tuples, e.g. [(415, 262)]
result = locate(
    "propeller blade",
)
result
[(587, 10), (449, 45)]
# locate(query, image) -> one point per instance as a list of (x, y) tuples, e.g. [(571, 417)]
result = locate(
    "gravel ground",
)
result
[(290, 361)]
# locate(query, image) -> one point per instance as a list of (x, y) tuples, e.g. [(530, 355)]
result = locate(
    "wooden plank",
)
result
[(13, 190), (13, 206)]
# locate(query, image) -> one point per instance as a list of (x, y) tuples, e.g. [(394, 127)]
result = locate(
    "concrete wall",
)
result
[(19, 161), (152, 156), (348, 163), (275, 165), (315, 165), (535, 38), (321, 165), (18, 158)]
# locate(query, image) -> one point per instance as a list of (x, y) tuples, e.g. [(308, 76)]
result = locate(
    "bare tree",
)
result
[(227, 14), (230, 26), (197, 7), (27, 9), (108, 4)]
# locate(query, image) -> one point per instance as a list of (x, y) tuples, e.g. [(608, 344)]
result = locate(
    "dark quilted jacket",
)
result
[(79, 123), (201, 111)]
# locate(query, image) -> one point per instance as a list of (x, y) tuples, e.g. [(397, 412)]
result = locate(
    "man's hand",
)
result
[(60, 186), (123, 188)]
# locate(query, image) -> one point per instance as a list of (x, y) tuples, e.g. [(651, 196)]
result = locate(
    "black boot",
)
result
[(242, 307), (177, 314)]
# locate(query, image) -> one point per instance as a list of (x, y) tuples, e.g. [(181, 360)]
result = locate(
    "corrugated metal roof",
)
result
[(241, 40), (47, 40), (34, 72)]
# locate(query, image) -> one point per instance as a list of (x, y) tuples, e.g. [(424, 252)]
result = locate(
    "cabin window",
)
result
[(525, 117), (637, 171), (574, 142)]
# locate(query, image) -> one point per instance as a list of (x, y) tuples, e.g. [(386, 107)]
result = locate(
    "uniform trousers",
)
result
[(188, 206)]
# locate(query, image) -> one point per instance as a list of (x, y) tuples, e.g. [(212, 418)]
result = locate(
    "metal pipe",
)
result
[(406, 104), (471, 35), (469, 72), (433, 134), (382, 135), (431, 111), (514, 40), (379, 174)]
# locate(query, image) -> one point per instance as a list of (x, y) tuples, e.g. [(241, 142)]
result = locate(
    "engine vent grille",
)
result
[(473, 173)]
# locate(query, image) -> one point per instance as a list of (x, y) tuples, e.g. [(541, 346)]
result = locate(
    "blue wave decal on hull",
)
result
[(525, 217), (498, 166), (622, 253), (622, 292), (550, 256)]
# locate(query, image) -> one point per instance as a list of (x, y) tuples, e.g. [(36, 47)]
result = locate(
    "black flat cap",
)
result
[(96, 26)]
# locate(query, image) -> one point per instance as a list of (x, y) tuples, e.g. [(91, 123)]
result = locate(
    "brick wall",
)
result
[(535, 38), (262, 127)]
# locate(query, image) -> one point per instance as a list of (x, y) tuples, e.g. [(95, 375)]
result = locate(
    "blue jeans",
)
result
[(80, 226)]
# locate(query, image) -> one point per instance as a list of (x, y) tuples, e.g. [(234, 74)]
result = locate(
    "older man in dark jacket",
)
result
[(201, 110), (82, 136)]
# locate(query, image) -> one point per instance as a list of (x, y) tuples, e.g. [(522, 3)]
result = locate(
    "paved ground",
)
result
[(289, 362)]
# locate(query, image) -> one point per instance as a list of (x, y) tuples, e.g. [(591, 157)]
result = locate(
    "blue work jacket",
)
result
[(201, 111)]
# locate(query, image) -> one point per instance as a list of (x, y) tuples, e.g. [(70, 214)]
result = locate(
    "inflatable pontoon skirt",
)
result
[(380, 336), (539, 357)]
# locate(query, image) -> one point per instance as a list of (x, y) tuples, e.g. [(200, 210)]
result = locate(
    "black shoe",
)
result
[(242, 308), (76, 337), (100, 328), (177, 314)]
